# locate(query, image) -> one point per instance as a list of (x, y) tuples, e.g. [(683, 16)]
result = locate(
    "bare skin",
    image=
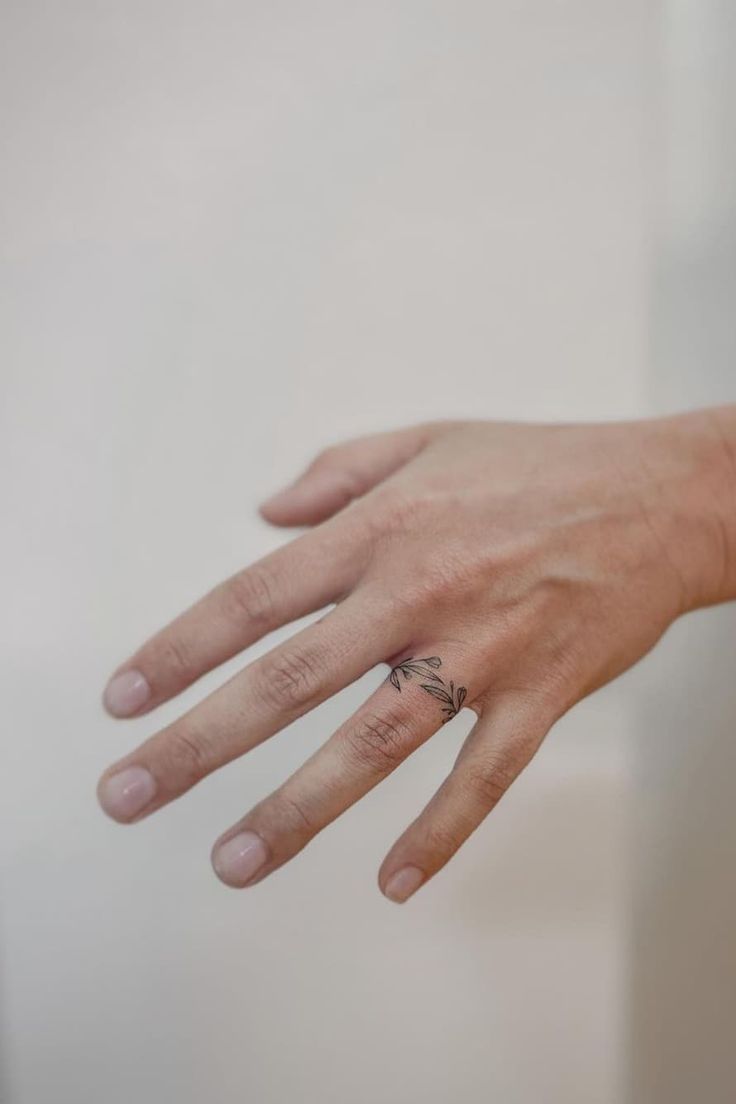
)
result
[(509, 569)]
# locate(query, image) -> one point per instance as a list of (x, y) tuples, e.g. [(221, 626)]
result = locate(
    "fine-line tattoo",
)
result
[(452, 697)]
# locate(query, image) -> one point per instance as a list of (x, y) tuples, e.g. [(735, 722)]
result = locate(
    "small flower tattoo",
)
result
[(451, 696)]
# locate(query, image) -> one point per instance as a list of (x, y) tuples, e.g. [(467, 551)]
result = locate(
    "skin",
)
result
[(538, 562)]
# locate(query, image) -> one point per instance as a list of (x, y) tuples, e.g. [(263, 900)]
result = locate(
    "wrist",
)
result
[(696, 491)]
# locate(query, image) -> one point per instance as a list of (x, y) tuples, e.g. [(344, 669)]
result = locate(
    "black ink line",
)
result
[(452, 697)]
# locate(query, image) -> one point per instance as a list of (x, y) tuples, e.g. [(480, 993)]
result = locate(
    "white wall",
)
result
[(231, 233), (682, 962)]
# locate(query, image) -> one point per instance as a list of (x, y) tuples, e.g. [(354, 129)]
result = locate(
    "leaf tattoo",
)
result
[(451, 697)]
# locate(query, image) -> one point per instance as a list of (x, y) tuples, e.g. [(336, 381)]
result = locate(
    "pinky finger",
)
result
[(501, 743)]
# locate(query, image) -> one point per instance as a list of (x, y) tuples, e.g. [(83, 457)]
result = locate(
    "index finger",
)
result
[(303, 576)]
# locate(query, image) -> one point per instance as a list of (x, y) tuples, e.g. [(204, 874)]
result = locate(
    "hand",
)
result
[(509, 569)]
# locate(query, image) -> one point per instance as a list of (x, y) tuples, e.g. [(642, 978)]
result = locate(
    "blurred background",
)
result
[(230, 234)]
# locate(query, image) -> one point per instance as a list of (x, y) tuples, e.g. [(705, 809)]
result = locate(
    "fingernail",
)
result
[(403, 883), (125, 794), (126, 693), (237, 860)]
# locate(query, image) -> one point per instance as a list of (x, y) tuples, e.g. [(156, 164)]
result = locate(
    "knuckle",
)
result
[(392, 505), (441, 839), (489, 779), (288, 811), (546, 699), (384, 512), (174, 656), (250, 596), (439, 582), (535, 703), (290, 677), (187, 756), (380, 741)]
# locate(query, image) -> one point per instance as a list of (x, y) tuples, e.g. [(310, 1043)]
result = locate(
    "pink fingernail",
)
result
[(126, 693), (125, 794), (403, 883), (237, 860)]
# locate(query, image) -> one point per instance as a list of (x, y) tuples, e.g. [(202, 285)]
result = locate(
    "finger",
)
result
[(266, 696), (305, 575), (399, 716), (342, 473), (499, 746)]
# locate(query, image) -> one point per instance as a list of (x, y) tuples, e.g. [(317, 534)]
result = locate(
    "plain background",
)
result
[(233, 233)]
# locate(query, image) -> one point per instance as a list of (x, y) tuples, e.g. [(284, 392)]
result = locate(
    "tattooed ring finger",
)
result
[(422, 691)]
